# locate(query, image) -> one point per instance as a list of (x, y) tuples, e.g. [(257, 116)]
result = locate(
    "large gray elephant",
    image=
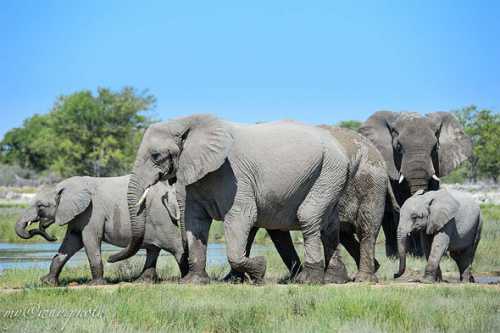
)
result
[(95, 210), (279, 176), (360, 209), (417, 151), (451, 221)]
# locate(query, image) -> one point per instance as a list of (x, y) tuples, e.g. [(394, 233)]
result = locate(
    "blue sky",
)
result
[(315, 61)]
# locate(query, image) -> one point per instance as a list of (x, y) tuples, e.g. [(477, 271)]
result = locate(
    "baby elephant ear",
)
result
[(72, 202), (443, 208), (170, 201)]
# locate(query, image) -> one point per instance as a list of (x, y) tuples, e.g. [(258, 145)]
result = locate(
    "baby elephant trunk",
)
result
[(402, 242), (27, 218)]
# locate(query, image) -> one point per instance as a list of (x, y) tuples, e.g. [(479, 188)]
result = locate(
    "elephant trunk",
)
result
[(28, 217), (402, 239), (137, 220), (21, 224)]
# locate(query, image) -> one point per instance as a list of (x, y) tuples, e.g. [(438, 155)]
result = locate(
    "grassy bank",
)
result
[(245, 308), (168, 306)]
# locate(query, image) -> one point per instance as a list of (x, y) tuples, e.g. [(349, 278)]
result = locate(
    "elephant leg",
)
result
[(367, 218), (149, 271), (237, 227), (351, 244), (389, 226), (335, 271), (282, 240), (426, 247), (197, 228), (464, 262), (92, 244), (71, 244), (438, 248), (239, 277)]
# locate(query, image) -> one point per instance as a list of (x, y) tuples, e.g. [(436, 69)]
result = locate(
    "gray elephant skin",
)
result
[(417, 151), (360, 209), (451, 221), (279, 176), (95, 210)]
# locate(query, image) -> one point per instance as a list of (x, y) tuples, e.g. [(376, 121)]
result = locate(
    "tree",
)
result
[(483, 127), (29, 146), (351, 124), (486, 130), (83, 134)]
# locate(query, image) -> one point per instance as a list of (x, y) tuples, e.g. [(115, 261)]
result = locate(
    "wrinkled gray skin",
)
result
[(415, 148), (360, 209), (278, 176), (95, 210), (451, 221)]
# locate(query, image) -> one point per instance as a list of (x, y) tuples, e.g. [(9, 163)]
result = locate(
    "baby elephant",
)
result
[(450, 220), (95, 210)]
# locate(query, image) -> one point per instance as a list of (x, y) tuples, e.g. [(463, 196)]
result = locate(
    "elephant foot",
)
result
[(148, 276), (235, 277), (336, 272), (428, 278), (50, 280), (196, 278), (256, 269), (311, 274), (97, 282), (467, 278), (365, 277)]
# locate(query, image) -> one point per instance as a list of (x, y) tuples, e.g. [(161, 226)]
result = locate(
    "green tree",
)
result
[(483, 127), (31, 145), (351, 124), (83, 134), (486, 131)]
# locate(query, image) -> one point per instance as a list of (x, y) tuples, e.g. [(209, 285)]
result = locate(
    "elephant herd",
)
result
[(334, 185)]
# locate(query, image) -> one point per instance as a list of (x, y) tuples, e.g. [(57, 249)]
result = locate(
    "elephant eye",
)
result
[(398, 147), (158, 158)]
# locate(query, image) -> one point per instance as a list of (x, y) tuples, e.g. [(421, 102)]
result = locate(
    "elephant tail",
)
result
[(392, 198)]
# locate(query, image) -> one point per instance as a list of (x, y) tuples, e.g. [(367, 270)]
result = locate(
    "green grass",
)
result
[(168, 306)]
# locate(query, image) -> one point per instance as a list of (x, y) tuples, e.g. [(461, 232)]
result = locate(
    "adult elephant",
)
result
[(418, 150), (282, 175), (360, 209)]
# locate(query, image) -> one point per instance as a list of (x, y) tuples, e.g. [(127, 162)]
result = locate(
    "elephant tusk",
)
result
[(143, 197), (401, 179), (436, 178), (29, 223)]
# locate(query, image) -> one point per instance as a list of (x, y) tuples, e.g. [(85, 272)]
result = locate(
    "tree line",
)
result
[(98, 135)]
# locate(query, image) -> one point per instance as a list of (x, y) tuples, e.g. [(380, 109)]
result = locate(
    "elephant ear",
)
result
[(205, 146), (73, 199), (170, 202), (379, 129), (454, 145), (442, 207)]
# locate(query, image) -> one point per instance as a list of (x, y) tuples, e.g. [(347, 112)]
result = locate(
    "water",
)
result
[(39, 255)]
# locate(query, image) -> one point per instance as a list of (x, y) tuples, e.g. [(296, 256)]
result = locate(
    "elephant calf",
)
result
[(95, 210), (451, 221)]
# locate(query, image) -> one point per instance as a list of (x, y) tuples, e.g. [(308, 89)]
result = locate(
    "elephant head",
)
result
[(183, 150), (60, 205), (418, 149), (429, 211)]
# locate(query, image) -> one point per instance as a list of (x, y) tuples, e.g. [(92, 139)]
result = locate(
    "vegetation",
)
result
[(351, 124), (483, 126), (232, 308), (83, 134)]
